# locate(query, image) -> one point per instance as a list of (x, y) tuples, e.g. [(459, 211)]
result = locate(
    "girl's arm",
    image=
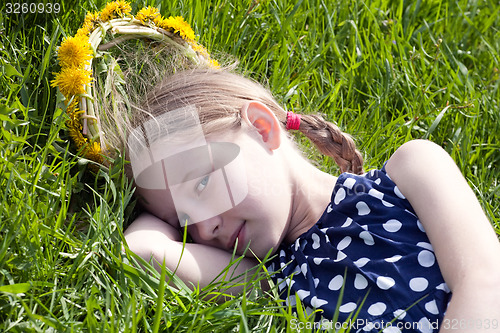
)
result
[(466, 247), (149, 237)]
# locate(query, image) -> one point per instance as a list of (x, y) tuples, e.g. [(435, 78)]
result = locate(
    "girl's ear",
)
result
[(261, 118)]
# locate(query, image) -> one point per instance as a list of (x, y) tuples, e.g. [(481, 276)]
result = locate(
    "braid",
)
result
[(331, 141)]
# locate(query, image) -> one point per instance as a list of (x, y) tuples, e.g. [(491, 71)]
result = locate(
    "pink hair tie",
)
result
[(292, 121)]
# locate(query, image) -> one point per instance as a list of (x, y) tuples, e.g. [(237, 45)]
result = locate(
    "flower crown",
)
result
[(77, 53)]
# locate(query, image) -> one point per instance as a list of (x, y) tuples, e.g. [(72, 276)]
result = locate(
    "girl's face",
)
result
[(260, 220), (238, 196)]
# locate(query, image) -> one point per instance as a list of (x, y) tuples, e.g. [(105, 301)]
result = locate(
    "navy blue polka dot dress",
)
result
[(370, 242)]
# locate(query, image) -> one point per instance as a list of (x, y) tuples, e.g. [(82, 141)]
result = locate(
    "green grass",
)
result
[(384, 71)]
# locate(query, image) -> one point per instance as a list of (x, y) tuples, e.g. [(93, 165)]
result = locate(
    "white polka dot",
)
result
[(281, 284), (366, 237), (317, 302), (391, 329), (399, 314), (309, 310), (426, 258), (344, 243), (340, 256), (363, 208), (303, 269), (297, 244), (385, 282), (339, 196), (377, 181), (303, 294), (347, 223), (348, 307), (420, 226), (349, 183), (315, 239), (444, 287), (387, 204), (329, 209), (431, 307), (419, 284), (291, 300), (318, 261), (425, 245), (377, 309), (392, 225), (375, 193), (336, 282), (316, 282), (369, 327), (361, 262), (424, 325), (360, 282), (282, 253), (398, 193), (393, 258)]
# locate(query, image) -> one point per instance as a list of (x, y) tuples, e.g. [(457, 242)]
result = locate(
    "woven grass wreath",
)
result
[(100, 32)]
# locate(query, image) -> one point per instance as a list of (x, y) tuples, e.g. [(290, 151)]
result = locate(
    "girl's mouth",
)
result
[(239, 236)]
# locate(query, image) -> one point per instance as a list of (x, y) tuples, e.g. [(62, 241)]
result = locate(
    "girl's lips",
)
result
[(241, 239), (238, 235)]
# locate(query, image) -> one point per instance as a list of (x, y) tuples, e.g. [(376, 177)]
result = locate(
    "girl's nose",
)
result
[(209, 229)]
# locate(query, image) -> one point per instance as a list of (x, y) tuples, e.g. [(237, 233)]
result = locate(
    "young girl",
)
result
[(407, 244), (209, 150)]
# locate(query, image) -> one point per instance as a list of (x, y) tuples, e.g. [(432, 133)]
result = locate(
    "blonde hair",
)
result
[(219, 94)]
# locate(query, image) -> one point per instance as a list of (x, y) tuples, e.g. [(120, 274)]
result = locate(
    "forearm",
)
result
[(195, 264)]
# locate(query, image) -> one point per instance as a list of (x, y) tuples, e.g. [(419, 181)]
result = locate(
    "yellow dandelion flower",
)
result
[(162, 23), (114, 9), (108, 12), (72, 81), (178, 26), (74, 51), (123, 8), (157, 21), (91, 21), (148, 15), (214, 63), (77, 136), (73, 107), (198, 48), (83, 31), (93, 152)]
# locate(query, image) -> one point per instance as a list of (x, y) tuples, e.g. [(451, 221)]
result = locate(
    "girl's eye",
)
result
[(202, 184)]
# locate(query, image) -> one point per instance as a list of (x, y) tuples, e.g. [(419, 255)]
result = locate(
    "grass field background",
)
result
[(385, 71)]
